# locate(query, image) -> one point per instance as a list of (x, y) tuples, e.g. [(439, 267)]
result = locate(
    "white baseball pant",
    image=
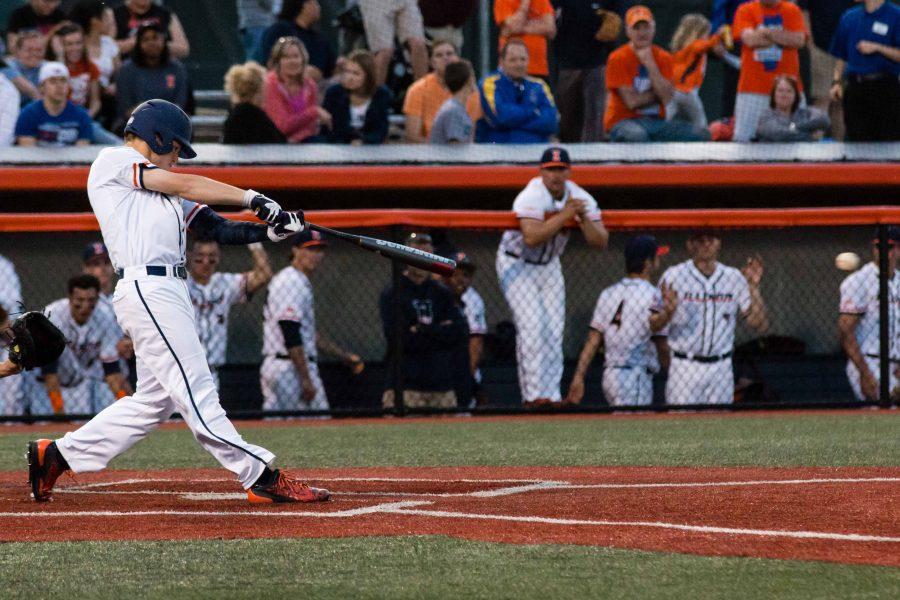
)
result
[(281, 385), (172, 375), (628, 386), (537, 296), (875, 368), (692, 382)]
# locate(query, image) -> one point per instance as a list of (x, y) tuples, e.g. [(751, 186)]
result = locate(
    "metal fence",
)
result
[(751, 312)]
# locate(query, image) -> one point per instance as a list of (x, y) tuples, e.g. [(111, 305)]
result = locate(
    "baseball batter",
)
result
[(75, 383), (144, 215), (531, 276), (711, 297), (629, 323), (289, 375), (213, 294), (859, 323)]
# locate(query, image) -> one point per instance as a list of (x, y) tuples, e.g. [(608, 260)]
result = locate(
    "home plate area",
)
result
[(833, 514)]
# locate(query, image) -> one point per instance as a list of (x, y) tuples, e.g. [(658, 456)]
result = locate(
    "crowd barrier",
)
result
[(788, 348)]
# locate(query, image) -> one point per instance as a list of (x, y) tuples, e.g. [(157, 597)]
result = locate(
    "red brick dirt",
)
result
[(805, 520)]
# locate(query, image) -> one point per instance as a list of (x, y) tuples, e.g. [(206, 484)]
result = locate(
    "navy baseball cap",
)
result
[(641, 248), (463, 261), (93, 250), (554, 156), (417, 238), (308, 238)]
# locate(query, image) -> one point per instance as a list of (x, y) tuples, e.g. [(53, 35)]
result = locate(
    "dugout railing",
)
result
[(795, 359)]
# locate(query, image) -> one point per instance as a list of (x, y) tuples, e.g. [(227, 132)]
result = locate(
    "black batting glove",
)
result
[(289, 223), (263, 207)]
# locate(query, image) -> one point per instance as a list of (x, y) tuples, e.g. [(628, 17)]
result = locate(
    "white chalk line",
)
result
[(599, 486)]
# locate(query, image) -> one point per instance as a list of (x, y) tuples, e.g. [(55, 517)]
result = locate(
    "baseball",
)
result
[(847, 261)]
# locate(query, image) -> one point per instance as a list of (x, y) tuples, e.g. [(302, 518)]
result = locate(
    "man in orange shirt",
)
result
[(534, 22), (639, 81), (771, 32), (426, 96)]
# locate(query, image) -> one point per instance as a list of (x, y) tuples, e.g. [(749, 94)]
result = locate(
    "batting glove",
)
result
[(289, 223), (264, 208)]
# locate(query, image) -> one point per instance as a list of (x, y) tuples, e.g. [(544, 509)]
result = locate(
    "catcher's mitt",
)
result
[(610, 27), (34, 341)]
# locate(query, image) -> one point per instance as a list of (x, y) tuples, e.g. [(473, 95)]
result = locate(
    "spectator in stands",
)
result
[(66, 45), (296, 19), (134, 14), (254, 18), (432, 327), (150, 73), (531, 21), (453, 125), (586, 36), (291, 97), (54, 121), (690, 44), (639, 81), (426, 96), (723, 14), (517, 109), (388, 19), (822, 18), (247, 122), (358, 105), (867, 46), (25, 65), (444, 20), (96, 20), (786, 120), (9, 109), (771, 32), (37, 15)]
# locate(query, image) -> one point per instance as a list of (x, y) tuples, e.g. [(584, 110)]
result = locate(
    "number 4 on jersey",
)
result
[(617, 318)]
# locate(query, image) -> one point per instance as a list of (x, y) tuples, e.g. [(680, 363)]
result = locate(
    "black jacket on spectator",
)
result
[(249, 124), (24, 18), (440, 329), (576, 47), (375, 127), (128, 23), (321, 55)]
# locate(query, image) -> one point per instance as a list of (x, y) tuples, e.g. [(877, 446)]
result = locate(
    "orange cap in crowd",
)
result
[(638, 13)]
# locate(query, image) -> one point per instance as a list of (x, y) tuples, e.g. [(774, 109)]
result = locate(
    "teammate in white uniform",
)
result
[(859, 323), (75, 382), (629, 323), (213, 294), (711, 297), (143, 215), (10, 286), (95, 261), (289, 375), (531, 276), (11, 400)]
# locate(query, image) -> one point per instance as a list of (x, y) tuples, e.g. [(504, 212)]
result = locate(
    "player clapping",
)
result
[(629, 322)]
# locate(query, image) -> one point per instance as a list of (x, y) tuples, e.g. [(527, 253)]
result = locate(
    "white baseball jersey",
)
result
[(290, 299), (212, 304), (708, 308), (10, 287), (859, 296), (90, 344), (123, 207), (474, 310), (534, 202), (622, 315)]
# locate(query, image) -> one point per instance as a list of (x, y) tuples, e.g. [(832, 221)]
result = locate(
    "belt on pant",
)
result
[(530, 262), (861, 78), (626, 367), (156, 270), (311, 359), (876, 357), (702, 359)]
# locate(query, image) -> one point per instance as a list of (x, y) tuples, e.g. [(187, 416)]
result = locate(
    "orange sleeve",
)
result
[(743, 19), (702, 46), (503, 9), (617, 74), (665, 63), (793, 18), (542, 7), (412, 104), (473, 106)]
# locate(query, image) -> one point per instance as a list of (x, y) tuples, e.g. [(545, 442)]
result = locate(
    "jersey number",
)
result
[(617, 318)]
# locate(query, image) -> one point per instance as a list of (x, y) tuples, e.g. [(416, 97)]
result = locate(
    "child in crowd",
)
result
[(452, 124), (690, 44)]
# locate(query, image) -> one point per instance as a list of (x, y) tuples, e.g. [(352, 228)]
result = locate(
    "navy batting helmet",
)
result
[(159, 123)]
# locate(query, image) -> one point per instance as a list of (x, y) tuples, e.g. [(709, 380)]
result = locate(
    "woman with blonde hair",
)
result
[(690, 44), (291, 97), (359, 105), (247, 122)]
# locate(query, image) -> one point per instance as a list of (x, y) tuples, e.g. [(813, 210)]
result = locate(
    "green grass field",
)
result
[(439, 567)]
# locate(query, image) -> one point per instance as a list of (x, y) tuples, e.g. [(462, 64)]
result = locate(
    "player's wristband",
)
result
[(249, 195), (56, 401), (255, 246)]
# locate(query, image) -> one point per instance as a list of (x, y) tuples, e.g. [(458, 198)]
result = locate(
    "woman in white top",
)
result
[(97, 22)]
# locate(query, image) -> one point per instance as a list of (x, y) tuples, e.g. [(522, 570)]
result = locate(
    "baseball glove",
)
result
[(610, 27), (34, 341)]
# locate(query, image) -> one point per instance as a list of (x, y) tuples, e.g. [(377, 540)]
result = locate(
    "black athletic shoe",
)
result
[(45, 465)]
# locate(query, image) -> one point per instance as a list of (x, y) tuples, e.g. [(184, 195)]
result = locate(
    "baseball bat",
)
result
[(399, 252)]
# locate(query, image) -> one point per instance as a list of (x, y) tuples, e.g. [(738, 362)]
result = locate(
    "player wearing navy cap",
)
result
[(629, 323)]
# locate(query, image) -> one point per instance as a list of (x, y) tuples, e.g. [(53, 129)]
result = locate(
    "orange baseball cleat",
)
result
[(45, 465), (286, 489)]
